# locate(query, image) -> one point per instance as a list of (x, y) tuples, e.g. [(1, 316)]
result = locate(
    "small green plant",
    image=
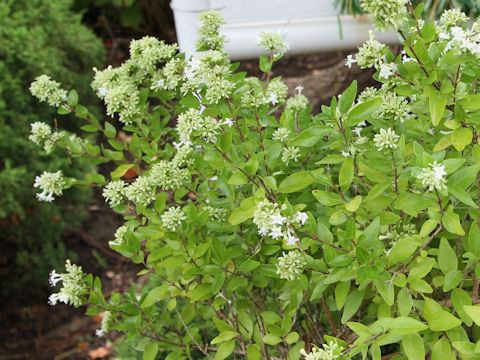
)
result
[(274, 233), (38, 37)]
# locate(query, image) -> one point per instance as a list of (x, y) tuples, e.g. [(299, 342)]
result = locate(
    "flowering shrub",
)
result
[(273, 233)]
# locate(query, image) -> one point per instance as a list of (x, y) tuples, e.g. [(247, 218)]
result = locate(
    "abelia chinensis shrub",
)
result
[(273, 233)]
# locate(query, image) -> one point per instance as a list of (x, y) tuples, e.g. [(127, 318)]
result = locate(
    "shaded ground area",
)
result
[(31, 329)]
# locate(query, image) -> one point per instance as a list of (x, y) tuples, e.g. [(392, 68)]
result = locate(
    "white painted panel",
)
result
[(310, 25), (251, 11)]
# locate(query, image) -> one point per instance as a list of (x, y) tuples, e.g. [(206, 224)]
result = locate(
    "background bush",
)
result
[(38, 37)]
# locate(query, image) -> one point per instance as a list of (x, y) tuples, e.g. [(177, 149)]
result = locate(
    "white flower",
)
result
[(278, 219), (276, 232), (292, 239), (357, 131), (433, 177), (263, 231), (299, 89), (387, 139), (329, 352), (387, 70), (228, 122), (346, 153), (281, 134), (301, 217), (172, 218), (272, 99), (55, 278), (349, 61)]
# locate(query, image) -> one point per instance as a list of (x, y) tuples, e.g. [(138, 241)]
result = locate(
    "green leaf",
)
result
[(439, 319), (451, 221), (404, 302), (428, 31), (244, 212), (224, 336), (441, 350), (341, 292), (224, 350), (401, 250), (354, 204), (447, 258), (363, 111), (310, 136), (427, 227), (265, 64), (270, 339), (437, 103), (121, 170), (404, 325), (452, 280), (461, 298), (110, 131), (295, 182), (154, 294), (190, 101), (345, 177), (248, 265), (386, 290), (413, 346), (413, 202), (461, 138), (292, 338), (473, 313), (352, 304), (327, 198), (253, 352), (270, 317), (72, 98), (151, 351), (348, 97), (462, 195)]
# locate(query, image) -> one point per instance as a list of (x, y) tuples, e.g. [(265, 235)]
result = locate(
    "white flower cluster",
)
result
[(148, 52), (370, 54), (276, 92), (107, 318), (387, 14), (453, 17), (394, 107), (73, 285), (274, 42), (142, 191), (433, 177), (113, 192), (332, 351), (281, 134), (192, 125), (172, 218), (46, 89), (290, 153), (169, 175), (270, 222), (461, 40), (119, 236), (297, 103), (42, 134), (216, 214), (290, 266), (208, 36), (50, 184), (387, 139)]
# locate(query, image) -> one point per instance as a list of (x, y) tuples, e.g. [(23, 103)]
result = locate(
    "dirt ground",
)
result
[(31, 329)]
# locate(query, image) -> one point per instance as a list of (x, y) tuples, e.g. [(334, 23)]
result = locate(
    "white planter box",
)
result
[(310, 25)]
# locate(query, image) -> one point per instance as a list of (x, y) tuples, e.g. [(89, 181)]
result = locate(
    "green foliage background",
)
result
[(38, 37)]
